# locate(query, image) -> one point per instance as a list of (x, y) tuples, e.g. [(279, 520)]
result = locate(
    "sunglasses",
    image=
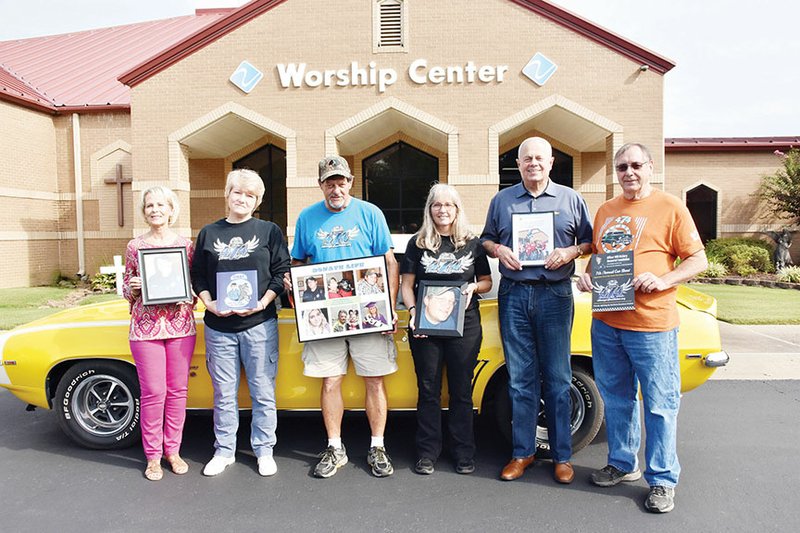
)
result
[(623, 167)]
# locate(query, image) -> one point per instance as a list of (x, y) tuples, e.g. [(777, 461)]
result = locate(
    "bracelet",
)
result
[(496, 248), (412, 307)]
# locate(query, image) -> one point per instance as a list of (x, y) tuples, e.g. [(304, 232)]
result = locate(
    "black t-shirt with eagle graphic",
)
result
[(250, 245), (446, 264)]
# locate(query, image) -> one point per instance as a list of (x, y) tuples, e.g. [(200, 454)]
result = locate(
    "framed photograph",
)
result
[(341, 298), (532, 236), (237, 290), (165, 275), (440, 308)]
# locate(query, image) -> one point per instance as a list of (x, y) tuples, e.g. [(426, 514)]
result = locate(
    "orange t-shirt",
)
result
[(658, 229)]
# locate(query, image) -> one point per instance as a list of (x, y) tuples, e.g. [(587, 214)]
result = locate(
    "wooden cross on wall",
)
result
[(119, 181)]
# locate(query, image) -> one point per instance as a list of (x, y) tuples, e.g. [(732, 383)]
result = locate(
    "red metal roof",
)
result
[(729, 144), (80, 70), (83, 70)]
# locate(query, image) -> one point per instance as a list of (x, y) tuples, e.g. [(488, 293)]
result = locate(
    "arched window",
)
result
[(509, 173), (397, 180), (702, 204), (270, 163)]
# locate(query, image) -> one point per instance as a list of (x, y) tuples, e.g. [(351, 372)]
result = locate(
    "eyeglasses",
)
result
[(437, 206), (623, 167)]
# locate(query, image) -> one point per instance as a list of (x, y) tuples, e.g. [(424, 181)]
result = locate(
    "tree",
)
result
[(781, 191)]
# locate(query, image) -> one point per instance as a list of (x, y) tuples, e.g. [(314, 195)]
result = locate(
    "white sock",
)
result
[(376, 441), (336, 443)]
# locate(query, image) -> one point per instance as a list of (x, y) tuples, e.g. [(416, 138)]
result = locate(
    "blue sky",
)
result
[(736, 73)]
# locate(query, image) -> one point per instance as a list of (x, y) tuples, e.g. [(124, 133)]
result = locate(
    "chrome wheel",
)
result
[(102, 405)]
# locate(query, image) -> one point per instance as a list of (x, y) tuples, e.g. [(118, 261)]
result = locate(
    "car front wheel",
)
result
[(98, 404)]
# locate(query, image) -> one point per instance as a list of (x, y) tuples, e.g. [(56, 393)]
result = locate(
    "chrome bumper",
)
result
[(715, 359)]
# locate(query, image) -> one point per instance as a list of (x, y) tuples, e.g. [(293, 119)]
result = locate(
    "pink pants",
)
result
[(163, 368)]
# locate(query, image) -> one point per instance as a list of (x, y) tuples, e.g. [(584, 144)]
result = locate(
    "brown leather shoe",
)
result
[(516, 467), (563, 473)]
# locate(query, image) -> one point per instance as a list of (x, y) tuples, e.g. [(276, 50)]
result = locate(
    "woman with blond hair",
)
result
[(445, 249), (239, 338), (162, 338)]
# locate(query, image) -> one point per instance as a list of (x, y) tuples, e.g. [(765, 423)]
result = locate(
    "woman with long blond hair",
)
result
[(445, 249)]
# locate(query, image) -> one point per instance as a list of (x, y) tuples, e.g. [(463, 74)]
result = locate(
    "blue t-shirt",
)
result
[(572, 224), (322, 235)]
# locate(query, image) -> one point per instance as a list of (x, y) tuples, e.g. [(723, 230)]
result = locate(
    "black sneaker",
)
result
[(465, 466), (660, 500), (331, 460), (424, 466), (608, 476), (380, 462)]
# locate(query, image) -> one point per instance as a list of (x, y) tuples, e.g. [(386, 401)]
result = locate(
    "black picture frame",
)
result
[(361, 295), (165, 275), (426, 321)]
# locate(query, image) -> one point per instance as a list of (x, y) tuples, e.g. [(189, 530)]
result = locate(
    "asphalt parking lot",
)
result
[(737, 445)]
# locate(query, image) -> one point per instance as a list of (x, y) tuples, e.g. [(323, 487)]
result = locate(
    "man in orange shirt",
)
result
[(639, 347)]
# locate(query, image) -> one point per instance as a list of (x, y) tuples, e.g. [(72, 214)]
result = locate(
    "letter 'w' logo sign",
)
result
[(539, 69)]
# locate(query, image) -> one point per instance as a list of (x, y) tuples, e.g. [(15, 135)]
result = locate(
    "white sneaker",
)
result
[(267, 466), (217, 465)]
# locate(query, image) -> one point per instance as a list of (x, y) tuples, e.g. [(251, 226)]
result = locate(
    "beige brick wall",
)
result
[(492, 32)]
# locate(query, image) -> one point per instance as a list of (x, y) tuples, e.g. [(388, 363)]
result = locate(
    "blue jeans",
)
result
[(623, 361), (536, 324), (255, 349)]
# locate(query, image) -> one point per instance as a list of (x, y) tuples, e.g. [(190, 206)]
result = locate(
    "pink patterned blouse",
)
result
[(162, 321)]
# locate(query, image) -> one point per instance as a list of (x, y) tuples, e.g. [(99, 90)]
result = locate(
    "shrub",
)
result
[(104, 282), (746, 260), (718, 250), (789, 274), (714, 270)]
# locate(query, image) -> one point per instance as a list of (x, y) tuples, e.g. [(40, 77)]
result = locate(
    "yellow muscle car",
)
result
[(78, 362)]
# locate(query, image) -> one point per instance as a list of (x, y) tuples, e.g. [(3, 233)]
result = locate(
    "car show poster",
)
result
[(341, 298), (532, 236), (237, 290), (612, 282)]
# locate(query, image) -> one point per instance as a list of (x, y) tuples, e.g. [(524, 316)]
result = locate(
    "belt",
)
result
[(539, 282)]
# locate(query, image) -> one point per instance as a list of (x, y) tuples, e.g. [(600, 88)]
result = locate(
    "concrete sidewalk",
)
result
[(760, 352)]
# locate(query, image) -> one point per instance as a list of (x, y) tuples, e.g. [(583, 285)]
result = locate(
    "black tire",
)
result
[(98, 404), (587, 412)]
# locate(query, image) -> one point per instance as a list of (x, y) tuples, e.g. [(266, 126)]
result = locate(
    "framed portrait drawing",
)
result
[(341, 298), (237, 290), (532, 236), (165, 275), (440, 308)]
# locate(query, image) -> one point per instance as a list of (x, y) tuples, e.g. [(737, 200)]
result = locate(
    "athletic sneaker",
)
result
[(608, 476), (217, 465), (380, 462), (465, 466), (424, 466), (660, 500), (331, 460), (267, 466)]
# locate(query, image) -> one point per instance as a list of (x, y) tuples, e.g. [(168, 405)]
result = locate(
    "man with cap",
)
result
[(337, 228)]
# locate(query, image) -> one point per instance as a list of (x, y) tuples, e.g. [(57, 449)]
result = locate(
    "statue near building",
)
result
[(783, 241)]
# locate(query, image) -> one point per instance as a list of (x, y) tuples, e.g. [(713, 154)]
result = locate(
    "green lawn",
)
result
[(753, 305), (18, 306)]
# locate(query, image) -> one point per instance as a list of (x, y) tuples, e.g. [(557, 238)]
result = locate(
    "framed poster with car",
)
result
[(440, 308), (165, 275), (532, 236), (341, 298)]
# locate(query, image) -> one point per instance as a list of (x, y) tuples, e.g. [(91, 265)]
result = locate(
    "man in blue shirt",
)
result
[(536, 307), (337, 228)]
